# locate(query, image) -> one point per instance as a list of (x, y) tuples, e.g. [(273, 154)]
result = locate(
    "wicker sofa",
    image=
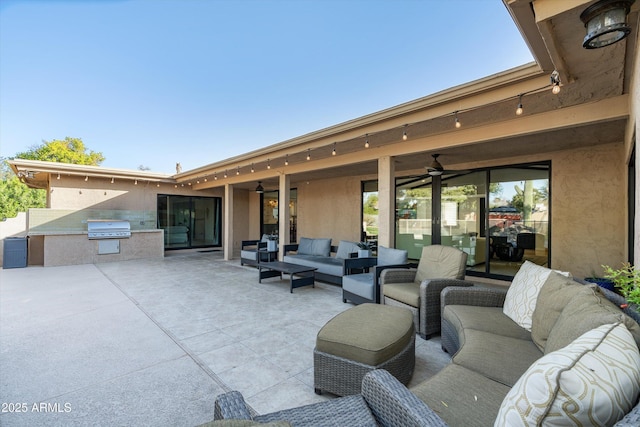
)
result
[(500, 368), (502, 374), (317, 253)]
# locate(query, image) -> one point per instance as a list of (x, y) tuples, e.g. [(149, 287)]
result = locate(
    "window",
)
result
[(269, 216)]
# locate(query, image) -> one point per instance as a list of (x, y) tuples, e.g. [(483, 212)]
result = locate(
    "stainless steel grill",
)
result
[(108, 229)]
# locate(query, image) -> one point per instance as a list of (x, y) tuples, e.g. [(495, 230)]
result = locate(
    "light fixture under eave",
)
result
[(519, 110), (606, 23), (259, 188), (555, 81)]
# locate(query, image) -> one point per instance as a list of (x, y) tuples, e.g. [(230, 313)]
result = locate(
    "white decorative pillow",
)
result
[(520, 301), (595, 380)]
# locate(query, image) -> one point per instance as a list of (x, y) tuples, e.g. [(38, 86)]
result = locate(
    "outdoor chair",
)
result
[(384, 401), (418, 289), (365, 287)]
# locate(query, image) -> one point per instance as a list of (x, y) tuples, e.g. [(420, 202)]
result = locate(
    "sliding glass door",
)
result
[(499, 217), (190, 222)]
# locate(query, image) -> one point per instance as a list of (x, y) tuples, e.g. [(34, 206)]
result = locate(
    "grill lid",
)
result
[(108, 229)]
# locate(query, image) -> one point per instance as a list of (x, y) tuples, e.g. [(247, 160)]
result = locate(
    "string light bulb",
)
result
[(555, 81), (86, 178), (238, 171), (458, 124), (268, 163), (158, 185), (252, 169), (286, 160), (58, 176), (519, 110), (225, 173), (308, 153), (404, 134), (366, 141), (112, 180), (215, 176), (333, 153)]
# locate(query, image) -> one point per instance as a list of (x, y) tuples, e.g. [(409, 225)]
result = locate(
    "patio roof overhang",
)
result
[(37, 174)]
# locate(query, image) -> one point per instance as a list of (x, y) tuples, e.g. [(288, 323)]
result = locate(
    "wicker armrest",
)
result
[(430, 291), (486, 297), (632, 419), (231, 405), (393, 404), (398, 275)]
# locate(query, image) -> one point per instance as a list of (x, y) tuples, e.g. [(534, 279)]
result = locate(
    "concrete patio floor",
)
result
[(152, 342)]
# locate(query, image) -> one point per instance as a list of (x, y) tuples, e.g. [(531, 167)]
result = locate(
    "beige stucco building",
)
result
[(579, 143)]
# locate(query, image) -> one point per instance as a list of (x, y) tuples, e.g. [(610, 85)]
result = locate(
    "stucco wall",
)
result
[(588, 215), (242, 218), (330, 208), (98, 193)]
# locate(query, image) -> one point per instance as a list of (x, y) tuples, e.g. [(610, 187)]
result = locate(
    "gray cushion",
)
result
[(360, 284), (320, 247), (488, 319), (554, 295), (368, 333), (584, 312), (247, 254), (441, 262), (499, 358), (462, 397), (389, 256), (346, 248), (326, 265), (407, 293)]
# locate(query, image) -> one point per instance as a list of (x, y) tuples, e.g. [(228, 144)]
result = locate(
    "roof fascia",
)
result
[(84, 170)]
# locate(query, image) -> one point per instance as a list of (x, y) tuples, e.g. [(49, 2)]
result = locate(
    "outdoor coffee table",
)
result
[(299, 275)]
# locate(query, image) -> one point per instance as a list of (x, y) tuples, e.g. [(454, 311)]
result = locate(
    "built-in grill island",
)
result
[(108, 232)]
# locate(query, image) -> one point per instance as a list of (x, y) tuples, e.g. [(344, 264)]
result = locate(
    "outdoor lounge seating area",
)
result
[(549, 349)]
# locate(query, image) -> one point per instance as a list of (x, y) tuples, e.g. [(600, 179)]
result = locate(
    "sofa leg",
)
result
[(317, 391)]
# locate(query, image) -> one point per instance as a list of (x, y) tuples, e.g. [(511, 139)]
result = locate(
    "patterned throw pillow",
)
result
[(520, 301), (595, 380)]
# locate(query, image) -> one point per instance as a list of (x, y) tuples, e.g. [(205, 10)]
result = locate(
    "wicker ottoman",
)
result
[(359, 340)]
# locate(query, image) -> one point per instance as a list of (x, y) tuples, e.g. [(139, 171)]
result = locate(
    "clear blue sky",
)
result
[(155, 82)]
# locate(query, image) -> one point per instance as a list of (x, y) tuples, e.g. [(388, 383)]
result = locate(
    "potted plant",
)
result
[(600, 281), (364, 251), (626, 280)]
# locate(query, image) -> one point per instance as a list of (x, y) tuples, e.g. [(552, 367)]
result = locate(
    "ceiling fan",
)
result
[(436, 168)]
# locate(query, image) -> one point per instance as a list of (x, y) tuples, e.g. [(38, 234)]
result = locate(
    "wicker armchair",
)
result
[(419, 289), (384, 401)]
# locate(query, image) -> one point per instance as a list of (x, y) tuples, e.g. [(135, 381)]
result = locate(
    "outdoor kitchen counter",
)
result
[(55, 248)]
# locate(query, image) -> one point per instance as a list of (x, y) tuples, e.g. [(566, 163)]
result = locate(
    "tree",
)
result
[(16, 197), (69, 150)]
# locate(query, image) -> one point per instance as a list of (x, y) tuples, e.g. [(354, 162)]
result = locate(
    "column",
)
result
[(386, 202), (227, 234), (284, 215)]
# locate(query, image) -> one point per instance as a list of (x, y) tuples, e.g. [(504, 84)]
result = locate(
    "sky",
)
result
[(154, 82)]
